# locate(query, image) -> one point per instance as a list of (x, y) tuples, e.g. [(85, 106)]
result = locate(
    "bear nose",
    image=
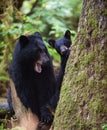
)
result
[(63, 50), (44, 58)]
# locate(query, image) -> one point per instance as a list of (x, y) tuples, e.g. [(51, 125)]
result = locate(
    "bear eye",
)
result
[(66, 44)]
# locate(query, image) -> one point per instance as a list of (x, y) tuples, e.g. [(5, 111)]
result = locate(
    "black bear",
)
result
[(33, 82), (62, 46)]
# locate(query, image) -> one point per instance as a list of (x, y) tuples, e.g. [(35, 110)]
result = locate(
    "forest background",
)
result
[(83, 99), (51, 18)]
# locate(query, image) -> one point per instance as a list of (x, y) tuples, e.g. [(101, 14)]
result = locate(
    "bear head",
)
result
[(30, 51), (62, 44)]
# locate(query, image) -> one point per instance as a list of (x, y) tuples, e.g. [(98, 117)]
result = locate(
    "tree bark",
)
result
[(83, 98)]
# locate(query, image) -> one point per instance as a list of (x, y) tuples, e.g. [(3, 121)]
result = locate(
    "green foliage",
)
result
[(2, 127), (104, 126), (56, 15), (2, 44), (53, 53), (51, 18)]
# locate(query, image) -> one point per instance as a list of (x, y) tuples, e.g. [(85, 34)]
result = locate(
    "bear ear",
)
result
[(38, 35), (51, 43), (67, 34), (23, 40)]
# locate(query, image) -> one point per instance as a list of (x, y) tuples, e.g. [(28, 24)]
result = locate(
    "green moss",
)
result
[(105, 32), (82, 105), (95, 33), (81, 76), (97, 67), (96, 105), (104, 12), (91, 81), (81, 46), (76, 124), (92, 22), (104, 83), (87, 58), (92, 19)]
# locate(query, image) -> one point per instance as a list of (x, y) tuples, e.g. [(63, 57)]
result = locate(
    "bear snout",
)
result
[(44, 58)]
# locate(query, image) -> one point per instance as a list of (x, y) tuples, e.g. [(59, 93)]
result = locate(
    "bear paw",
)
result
[(46, 116)]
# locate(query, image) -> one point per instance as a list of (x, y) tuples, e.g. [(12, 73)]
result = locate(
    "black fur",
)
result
[(62, 46), (31, 71)]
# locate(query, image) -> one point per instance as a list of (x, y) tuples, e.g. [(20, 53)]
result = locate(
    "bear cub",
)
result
[(62, 46), (31, 71)]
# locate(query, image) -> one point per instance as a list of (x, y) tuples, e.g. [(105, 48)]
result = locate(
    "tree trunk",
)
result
[(83, 98)]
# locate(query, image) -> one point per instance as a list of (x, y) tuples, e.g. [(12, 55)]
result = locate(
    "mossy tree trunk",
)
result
[(7, 9), (83, 99)]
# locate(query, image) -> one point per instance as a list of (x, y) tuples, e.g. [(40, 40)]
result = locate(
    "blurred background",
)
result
[(49, 17)]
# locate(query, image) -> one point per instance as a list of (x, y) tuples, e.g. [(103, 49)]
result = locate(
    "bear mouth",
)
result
[(38, 66)]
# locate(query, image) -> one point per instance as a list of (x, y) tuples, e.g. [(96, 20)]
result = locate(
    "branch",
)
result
[(36, 3)]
